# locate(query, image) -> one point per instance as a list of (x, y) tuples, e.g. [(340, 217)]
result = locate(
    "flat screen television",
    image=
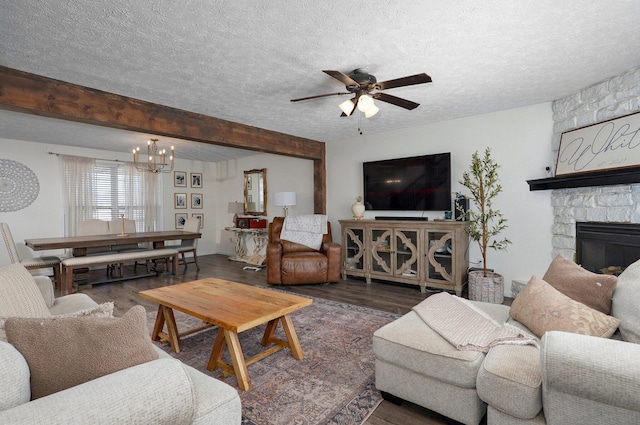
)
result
[(419, 183)]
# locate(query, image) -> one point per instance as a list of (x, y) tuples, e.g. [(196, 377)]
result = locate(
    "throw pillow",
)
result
[(14, 377), (541, 308), (626, 303), (101, 310), (20, 294), (67, 351), (592, 289)]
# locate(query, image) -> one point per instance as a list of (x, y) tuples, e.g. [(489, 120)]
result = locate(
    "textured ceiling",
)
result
[(243, 60)]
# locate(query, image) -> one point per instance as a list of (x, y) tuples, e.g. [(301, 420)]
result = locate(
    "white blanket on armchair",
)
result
[(306, 230)]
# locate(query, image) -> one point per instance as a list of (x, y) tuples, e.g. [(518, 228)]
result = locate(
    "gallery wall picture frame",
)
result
[(200, 217), (196, 180), (180, 201), (181, 218), (180, 179), (196, 200), (607, 145)]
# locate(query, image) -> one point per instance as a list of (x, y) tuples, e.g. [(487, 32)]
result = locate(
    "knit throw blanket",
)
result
[(306, 230), (467, 327)]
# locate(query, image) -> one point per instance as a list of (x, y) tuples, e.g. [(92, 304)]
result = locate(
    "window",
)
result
[(119, 190), (105, 190)]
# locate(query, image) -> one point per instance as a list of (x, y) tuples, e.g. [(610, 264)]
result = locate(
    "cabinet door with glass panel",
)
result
[(353, 254), (440, 258), (394, 252)]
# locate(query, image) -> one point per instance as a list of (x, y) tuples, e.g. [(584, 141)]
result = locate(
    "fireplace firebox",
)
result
[(607, 247)]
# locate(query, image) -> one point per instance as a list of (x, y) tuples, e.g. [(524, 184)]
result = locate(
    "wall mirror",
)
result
[(255, 192)]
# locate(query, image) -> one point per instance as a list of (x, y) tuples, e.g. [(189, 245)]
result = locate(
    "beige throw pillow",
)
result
[(101, 310), (542, 308), (67, 351), (592, 289)]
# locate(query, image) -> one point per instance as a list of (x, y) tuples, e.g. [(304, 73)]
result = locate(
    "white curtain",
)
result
[(142, 198), (78, 194), (152, 201)]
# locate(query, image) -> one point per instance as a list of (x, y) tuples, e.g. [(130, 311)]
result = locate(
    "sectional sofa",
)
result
[(58, 372), (583, 368)]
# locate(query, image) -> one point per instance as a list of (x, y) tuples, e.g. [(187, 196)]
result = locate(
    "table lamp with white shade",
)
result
[(235, 208), (284, 200)]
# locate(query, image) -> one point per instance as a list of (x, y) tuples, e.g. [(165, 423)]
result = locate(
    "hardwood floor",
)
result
[(385, 296)]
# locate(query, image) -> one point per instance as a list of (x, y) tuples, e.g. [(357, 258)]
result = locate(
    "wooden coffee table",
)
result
[(234, 308)]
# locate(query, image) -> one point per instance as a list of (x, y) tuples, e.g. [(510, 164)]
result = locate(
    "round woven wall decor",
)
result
[(19, 186)]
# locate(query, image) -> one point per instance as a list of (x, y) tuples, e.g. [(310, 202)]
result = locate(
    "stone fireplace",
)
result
[(610, 197), (619, 203), (607, 216)]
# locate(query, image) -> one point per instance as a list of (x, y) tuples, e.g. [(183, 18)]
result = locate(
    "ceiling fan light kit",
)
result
[(371, 111), (365, 102), (347, 106), (361, 84)]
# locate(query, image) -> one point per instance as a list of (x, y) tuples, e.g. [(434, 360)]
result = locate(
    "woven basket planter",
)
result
[(488, 289)]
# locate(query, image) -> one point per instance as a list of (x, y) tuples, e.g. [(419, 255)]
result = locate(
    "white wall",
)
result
[(520, 141), (43, 217), (284, 174), (222, 183)]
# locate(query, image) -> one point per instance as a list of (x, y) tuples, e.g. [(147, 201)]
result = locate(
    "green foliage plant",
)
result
[(486, 223)]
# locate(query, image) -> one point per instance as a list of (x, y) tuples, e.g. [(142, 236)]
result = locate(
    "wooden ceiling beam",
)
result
[(34, 94)]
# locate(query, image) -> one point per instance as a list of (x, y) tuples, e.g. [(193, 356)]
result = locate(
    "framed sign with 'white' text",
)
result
[(603, 146)]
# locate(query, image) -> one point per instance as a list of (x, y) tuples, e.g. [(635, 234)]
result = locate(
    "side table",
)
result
[(259, 236)]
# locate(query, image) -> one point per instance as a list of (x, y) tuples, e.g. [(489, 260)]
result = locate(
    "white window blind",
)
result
[(119, 191)]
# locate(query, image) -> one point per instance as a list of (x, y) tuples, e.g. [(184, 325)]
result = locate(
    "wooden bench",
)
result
[(70, 264)]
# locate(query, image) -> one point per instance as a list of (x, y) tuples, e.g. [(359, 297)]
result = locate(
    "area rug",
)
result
[(333, 384)]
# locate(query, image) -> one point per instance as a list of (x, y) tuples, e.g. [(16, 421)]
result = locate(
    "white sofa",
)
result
[(570, 379), (162, 391)]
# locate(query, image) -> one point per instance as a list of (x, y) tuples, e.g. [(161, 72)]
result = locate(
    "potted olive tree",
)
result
[(485, 224)]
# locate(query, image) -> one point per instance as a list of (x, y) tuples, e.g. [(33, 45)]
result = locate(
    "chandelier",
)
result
[(156, 162)]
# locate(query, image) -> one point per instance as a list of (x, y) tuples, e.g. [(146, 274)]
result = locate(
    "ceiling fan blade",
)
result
[(394, 100), (319, 95), (404, 81), (342, 77)]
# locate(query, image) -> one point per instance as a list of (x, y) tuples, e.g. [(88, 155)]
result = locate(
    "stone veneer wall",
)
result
[(609, 99)]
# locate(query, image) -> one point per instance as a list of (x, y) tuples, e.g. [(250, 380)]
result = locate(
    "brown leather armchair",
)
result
[(289, 263)]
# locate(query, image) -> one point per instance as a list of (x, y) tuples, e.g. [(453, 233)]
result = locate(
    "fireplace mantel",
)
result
[(597, 178)]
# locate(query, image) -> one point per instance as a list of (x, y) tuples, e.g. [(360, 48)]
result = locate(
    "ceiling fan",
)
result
[(361, 84)]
